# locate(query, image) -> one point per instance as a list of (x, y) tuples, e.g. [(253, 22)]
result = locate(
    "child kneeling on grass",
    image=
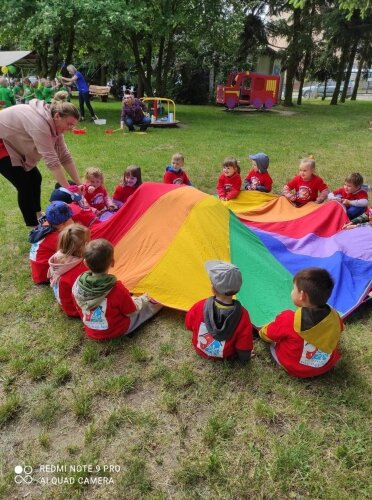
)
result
[(221, 326), (305, 342), (104, 304)]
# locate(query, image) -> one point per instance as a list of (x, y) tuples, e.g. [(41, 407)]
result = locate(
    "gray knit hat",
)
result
[(225, 277)]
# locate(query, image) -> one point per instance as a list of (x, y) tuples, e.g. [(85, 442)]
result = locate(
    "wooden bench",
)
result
[(98, 91)]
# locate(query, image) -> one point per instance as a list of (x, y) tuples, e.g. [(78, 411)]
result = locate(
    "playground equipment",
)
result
[(249, 89), (157, 109)]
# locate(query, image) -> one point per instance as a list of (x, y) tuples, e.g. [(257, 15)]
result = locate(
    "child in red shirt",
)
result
[(229, 182), (174, 173), (132, 179), (67, 264), (95, 193), (221, 327), (44, 239), (351, 195), (305, 342), (306, 186), (82, 213), (104, 304), (258, 179)]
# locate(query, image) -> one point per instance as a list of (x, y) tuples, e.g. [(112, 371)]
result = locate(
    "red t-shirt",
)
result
[(97, 198), (229, 187), (298, 357), (109, 319), (122, 193), (358, 195), (207, 346), (40, 253), (307, 190), (258, 179), (62, 289), (3, 151), (180, 177), (83, 216)]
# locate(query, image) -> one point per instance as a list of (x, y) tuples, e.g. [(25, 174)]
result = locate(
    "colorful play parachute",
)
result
[(164, 234)]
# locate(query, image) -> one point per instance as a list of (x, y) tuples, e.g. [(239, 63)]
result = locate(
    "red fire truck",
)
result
[(249, 89)]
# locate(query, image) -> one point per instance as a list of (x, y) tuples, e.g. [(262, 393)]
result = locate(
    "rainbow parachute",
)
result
[(164, 234)]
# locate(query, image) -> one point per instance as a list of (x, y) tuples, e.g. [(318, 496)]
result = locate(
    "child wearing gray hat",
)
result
[(258, 178), (221, 326)]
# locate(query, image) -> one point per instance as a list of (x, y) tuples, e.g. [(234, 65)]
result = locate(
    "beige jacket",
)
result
[(29, 134)]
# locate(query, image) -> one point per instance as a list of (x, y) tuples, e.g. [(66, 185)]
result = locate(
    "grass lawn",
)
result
[(171, 424)]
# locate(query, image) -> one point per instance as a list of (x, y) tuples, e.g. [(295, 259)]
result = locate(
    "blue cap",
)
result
[(57, 213)]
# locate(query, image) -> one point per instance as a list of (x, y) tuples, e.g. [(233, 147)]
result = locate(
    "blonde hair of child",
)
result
[(231, 161), (93, 172), (4, 82), (178, 156), (73, 239), (61, 105), (310, 160)]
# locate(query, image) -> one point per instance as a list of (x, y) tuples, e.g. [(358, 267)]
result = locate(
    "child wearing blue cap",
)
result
[(44, 239), (258, 179)]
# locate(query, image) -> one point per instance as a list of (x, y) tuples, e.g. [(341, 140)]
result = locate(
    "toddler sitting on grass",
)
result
[(306, 186), (305, 342), (229, 182), (104, 304), (174, 173), (221, 327), (352, 195)]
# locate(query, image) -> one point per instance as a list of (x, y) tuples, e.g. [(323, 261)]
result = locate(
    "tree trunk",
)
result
[(294, 57), (211, 83), (340, 74), (167, 64), (349, 68), (158, 82), (55, 56), (143, 84), (43, 60), (304, 71), (307, 59), (148, 61), (70, 46), (103, 75), (357, 80)]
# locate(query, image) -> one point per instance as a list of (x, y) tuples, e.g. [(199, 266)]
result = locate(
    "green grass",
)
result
[(177, 425)]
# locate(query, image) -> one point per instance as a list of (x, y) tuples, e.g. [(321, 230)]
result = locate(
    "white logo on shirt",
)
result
[(33, 250), (96, 318), (208, 344), (314, 357)]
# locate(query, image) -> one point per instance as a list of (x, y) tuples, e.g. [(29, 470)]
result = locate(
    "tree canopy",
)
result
[(184, 47)]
